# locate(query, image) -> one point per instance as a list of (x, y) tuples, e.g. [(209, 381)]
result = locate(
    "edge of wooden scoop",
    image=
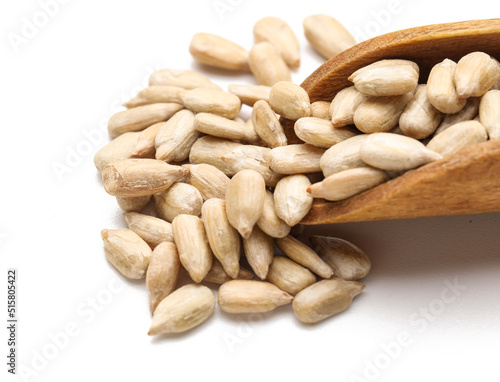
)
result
[(465, 183)]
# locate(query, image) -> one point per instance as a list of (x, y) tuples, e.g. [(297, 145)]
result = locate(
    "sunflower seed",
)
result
[(180, 198), (218, 52), (289, 276), (259, 251), (291, 200), (267, 65)]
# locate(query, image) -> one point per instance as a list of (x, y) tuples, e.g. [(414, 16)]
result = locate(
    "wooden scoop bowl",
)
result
[(465, 183)]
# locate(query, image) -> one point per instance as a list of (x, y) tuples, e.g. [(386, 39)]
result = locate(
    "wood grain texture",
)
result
[(466, 183)]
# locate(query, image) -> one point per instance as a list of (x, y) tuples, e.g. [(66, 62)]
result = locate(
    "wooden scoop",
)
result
[(465, 183)]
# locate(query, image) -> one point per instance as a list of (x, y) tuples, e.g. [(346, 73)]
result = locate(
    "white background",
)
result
[(69, 77)]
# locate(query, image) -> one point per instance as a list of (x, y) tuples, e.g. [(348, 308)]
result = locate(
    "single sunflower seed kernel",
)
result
[(218, 52), (224, 240), (388, 151), (163, 273), (347, 183), (295, 159), (250, 94), (326, 35), (209, 180), (289, 100), (121, 147), (303, 255), (153, 231), (269, 221), (289, 276), (441, 90), (251, 296), (321, 133), (475, 74), (380, 114), (245, 196), (458, 137), (281, 36), (127, 252), (343, 156), (320, 109), (187, 79), (325, 299), (267, 65), (207, 100), (267, 125), (139, 177), (180, 198), (348, 261), (184, 309), (156, 94), (145, 146), (259, 251), (192, 243), (344, 105), (489, 113), (291, 200), (420, 119), (386, 78), (175, 137), (222, 127), (134, 203), (140, 117)]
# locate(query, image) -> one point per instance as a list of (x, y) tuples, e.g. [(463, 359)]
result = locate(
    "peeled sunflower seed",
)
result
[(119, 148), (218, 52), (344, 104), (259, 251), (231, 157), (163, 273), (140, 117), (420, 119), (156, 94), (145, 146), (187, 307), (295, 159), (441, 90), (303, 255), (343, 156), (249, 94), (221, 127), (321, 133), (128, 253), (209, 180), (267, 65), (467, 113), (327, 36), (180, 198), (289, 276), (457, 138), (187, 79), (249, 296), (281, 36), (347, 260), (380, 114), (475, 74), (489, 113), (245, 196), (289, 100), (134, 203), (224, 240), (324, 299), (218, 275), (139, 177), (152, 230), (267, 125), (291, 200), (320, 109), (175, 137), (386, 78), (347, 183), (269, 221), (192, 243), (206, 100), (388, 151)]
